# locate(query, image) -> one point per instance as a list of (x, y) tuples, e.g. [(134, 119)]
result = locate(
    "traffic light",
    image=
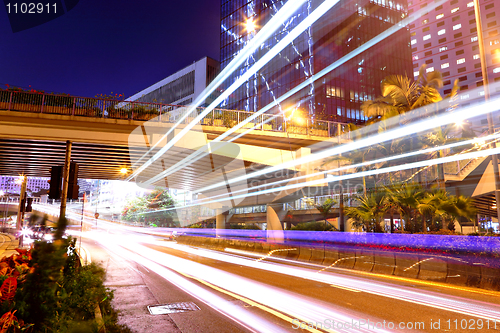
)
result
[(73, 187), (55, 182), (28, 205)]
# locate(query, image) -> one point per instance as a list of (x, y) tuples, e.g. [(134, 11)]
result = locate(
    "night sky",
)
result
[(100, 47)]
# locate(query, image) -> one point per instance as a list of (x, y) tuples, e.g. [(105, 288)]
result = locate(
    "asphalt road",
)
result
[(237, 293)]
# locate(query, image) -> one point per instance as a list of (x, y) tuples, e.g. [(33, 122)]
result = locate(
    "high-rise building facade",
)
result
[(182, 87), (446, 39), (11, 185), (346, 26)]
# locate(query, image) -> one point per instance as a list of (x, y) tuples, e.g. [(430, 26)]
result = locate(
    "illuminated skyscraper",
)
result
[(348, 25), (445, 39)]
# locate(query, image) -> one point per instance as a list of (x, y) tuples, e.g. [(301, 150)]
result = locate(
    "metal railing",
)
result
[(24, 101)]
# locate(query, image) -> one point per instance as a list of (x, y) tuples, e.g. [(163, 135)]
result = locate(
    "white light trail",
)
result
[(409, 129), (292, 304), (432, 299), (274, 24), (301, 27), (367, 163)]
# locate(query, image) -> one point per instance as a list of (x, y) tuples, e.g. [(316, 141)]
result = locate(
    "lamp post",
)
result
[(484, 70)]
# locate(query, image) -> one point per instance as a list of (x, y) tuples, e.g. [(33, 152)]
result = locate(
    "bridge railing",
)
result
[(25, 101)]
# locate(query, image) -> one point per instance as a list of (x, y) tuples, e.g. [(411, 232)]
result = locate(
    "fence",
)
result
[(117, 109)]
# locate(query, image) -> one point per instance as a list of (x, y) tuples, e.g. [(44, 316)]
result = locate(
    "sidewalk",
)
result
[(8, 247)]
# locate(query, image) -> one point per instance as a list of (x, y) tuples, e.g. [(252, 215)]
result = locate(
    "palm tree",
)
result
[(464, 208), (325, 208), (407, 197), (400, 94), (369, 213)]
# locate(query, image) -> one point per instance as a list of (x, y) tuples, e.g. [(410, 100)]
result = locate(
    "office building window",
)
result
[(491, 5), (429, 69), (490, 15), (461, 70), (447, 82), (457, 26), (428, 53), (426, 29), (493, 33), (472, 21), (427, 37), (427, 45), (456, 18), (429, 61), (455, 10), (439, 16), (457, 44), (441, 32), (442, 40), (443, 48), (473, 39), (470, 4), (462, 78), (440, 23), (460, 61), (479, 74), (492, 24), (475, 56), (443, 57), (459, 52), (446, 65)]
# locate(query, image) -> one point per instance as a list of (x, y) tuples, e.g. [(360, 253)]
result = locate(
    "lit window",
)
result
[(464, 96), (443, 48), (454, 10), (426, 37), (439, 16), (441, 32), (460, 61), (470, 4), (473, 39), (496, 70), (430, 69), (413, 41), (493, 42), (415, 57), (415, 73), (425, 21), (458, 26), (481, 93), (475, 56), (445, 65)]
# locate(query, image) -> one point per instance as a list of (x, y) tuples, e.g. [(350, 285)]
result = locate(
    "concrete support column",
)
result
[(274, 216), (220, 221)]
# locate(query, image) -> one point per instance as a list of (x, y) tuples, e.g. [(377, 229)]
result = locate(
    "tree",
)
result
[(325, 208), (153, 209), (400, 94), (369, 213)]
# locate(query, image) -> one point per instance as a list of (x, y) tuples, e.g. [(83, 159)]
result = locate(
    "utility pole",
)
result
[(64, 194), (21, 209), (484, 70)]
